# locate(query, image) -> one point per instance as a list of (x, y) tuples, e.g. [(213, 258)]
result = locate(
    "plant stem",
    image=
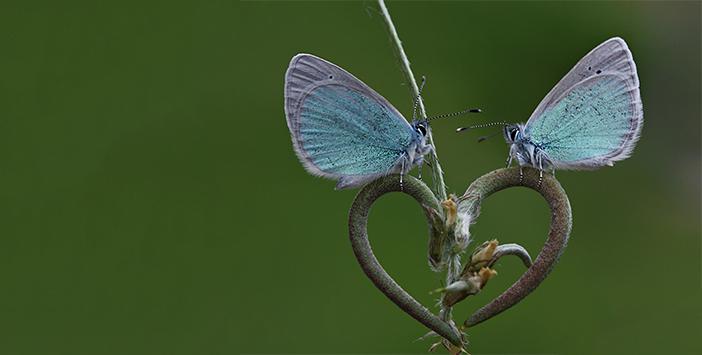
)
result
[(559, 231), (358, 234), (469, 204), (438, 173)]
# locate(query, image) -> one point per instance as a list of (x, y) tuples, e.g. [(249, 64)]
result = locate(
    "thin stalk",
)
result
[(438, 173)]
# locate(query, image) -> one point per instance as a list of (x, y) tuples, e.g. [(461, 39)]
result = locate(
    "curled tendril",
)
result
[(358, 233), (511, 249), (559, 231), (468, 207)]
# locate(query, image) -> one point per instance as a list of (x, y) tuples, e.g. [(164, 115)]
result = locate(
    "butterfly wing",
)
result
[(593, 117), (612, 55), (342, 129)]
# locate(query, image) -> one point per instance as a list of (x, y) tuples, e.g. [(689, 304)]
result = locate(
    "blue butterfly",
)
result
[(591, 118), (341, 129)]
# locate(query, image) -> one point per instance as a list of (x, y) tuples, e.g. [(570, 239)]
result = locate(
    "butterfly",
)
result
[(343, 130), (591, 118)]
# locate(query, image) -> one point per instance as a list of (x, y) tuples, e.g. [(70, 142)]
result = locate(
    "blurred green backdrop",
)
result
[(152, 203)]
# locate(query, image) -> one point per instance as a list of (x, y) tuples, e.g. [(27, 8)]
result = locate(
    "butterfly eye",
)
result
[(422, 129), (513, 134)]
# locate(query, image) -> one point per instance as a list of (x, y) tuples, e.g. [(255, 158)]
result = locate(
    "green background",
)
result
[(152, 202)]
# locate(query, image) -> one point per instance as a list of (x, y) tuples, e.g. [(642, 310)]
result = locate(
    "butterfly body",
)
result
[(591, 118), (341, 129), (524, 150)]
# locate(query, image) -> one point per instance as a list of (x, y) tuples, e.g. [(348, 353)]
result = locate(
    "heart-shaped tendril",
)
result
[(358, 233), (468, 207), (558, 234)]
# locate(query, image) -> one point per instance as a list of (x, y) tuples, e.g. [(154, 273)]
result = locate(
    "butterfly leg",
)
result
[(419, 167), (521, 174), (541, 177), (509, 161), (541, 173), (402, 173)]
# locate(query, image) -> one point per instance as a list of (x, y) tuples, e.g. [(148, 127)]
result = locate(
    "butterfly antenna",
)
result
[(461, 129), (419, 97), (448, 115)]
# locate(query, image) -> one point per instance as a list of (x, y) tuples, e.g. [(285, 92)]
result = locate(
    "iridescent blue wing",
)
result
[(593, 117), (342, 129)]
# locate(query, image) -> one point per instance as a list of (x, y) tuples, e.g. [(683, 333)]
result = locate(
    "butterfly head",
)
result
[(421, 127), (513, 133)]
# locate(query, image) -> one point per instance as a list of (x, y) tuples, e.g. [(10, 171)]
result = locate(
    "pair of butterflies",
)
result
[(342, 129)]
